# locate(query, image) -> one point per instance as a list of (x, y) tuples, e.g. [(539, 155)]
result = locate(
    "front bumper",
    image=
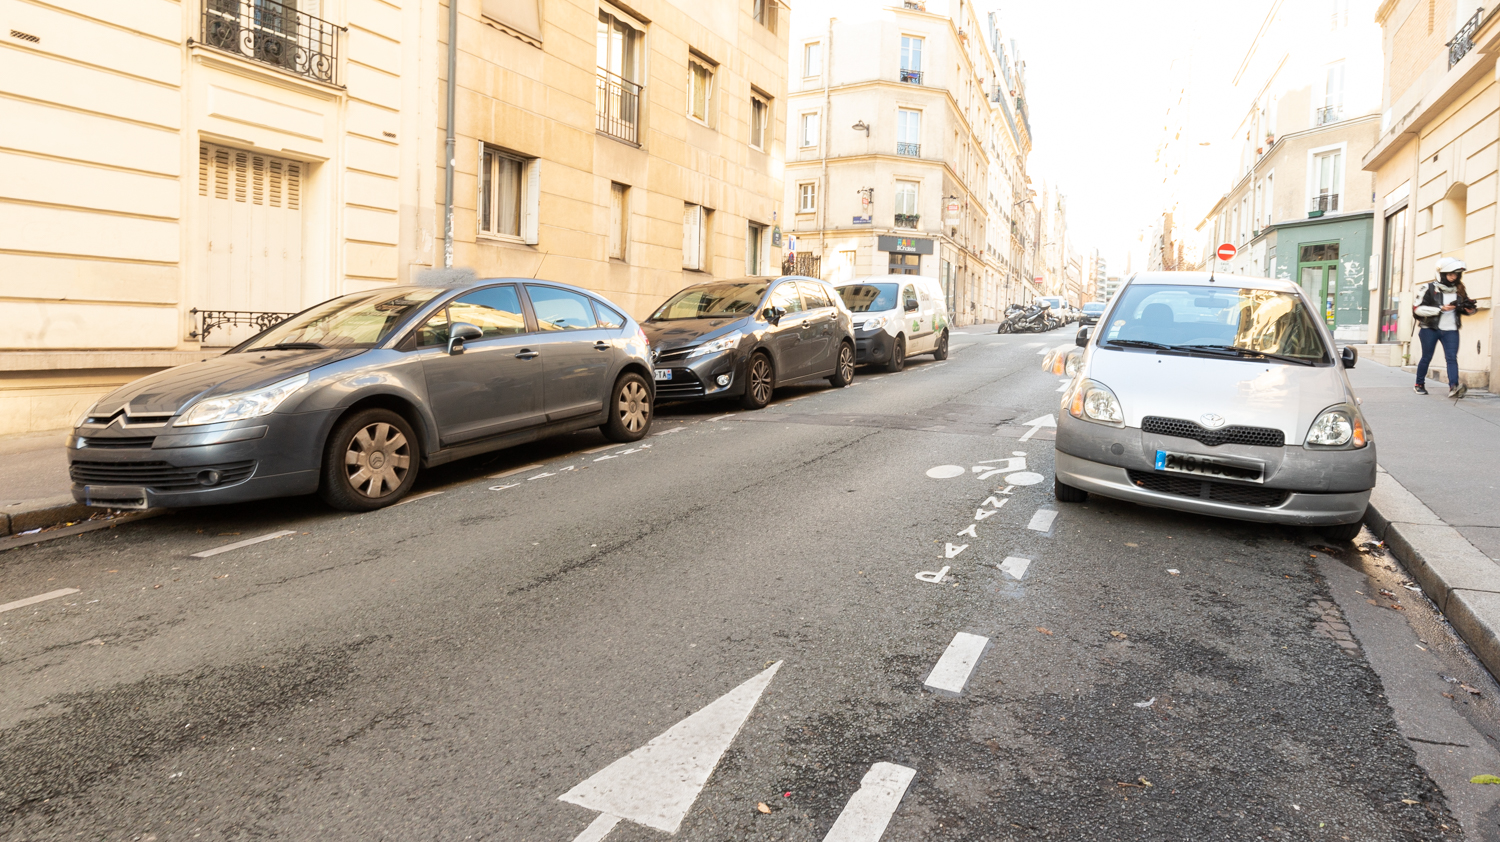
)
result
[(275, 456), (873, 346), (697, 379), (1302, 487)]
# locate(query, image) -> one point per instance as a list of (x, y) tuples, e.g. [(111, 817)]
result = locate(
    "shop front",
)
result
[(1330, 259), (904, 253)]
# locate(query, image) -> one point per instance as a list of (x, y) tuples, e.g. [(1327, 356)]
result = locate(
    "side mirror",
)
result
[(911, 305), (773, 315), (1083, 337), (459, 333), (1349, 355)]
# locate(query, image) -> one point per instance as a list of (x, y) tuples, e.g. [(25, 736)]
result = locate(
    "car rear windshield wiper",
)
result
[(291, 346), (1246, 352), (1140, 343)]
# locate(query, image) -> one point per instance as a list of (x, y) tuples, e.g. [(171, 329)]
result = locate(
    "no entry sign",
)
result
[(1227, 251)]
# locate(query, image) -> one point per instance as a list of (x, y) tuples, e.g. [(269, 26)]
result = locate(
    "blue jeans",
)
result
[(1430, 338)]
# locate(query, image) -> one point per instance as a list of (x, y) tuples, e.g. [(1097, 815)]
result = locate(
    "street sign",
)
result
[(1227, 251)]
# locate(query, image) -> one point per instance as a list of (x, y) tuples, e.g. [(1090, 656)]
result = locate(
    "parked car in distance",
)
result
[(743, 338), (1090, 312), (1223, 397), (351, 397), (896, 317)]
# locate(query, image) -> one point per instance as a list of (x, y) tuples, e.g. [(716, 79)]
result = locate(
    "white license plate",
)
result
[(664, 374), (115, 496), (1210, 466)]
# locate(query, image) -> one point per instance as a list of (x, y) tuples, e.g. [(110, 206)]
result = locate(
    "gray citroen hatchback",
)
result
[(350, 397)]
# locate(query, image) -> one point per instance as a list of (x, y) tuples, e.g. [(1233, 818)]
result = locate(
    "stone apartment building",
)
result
[(1298, 208), (1434, 164), (175, 174)]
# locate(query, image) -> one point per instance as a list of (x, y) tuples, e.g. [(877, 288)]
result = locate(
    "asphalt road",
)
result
[(766, 593)]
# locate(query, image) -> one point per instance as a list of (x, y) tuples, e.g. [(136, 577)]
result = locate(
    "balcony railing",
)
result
[(1324, 203), (1463, 41), (907, 220), (273, 33), (1328, 114), (913, 77), (911, 150), (618, 107)]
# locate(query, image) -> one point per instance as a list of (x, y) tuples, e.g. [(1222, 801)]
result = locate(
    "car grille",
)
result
[(1257, 436), (159, 475), (119, 442), (1219, 492), (671, 356), (684, 384)]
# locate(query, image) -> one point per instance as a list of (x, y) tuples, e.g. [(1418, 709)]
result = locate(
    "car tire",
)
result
[(370, 435), (1342, 533), (898, 355), (1067, 493), (843, 371), (629, 409), (941, 351), (760, 382)]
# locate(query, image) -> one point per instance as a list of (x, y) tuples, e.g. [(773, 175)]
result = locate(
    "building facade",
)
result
[(1434, 165)]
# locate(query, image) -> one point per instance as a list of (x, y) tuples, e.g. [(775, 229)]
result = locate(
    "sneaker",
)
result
[(1420, 389), (1458, 391)]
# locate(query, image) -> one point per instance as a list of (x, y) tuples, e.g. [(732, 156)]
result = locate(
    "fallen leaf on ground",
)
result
[(1143, 780), (1471, 690), (1118, 635), (1127, 783), (1484, 779), (763, 807), (1128, 544), (1447, 695), (1042, 630)]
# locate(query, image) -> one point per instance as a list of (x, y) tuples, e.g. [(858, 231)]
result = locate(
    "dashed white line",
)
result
[(722, 417), (952, 672), (603, 448), (870, 809), (1042, 520), (503, 474), (1014, 567), (245, 543), (33, 600)]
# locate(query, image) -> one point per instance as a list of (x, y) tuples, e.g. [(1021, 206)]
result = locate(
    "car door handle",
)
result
[(527, 353), (601, 345)]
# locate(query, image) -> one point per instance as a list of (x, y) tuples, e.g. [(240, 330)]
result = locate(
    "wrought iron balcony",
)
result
[(1324, 203), (907, 220), (917, 5), (1463, 41), (209, 320), (913, 77), (274, 33), (911, 150), (617, 105), (1328, 114)]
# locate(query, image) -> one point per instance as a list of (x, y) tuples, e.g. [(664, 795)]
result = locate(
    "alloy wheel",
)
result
[(846, 363), (634, 406), (377, 460), (760, 380)]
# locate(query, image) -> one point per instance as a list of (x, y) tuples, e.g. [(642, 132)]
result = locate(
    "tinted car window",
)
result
[(815, 294), (362, 320), (435, 330), (495, 310), (865, 298), (785, 296), (558, 309), (607, 316)]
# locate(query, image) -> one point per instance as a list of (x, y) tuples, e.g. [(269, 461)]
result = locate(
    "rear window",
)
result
[(867, 298), (1093, 307)]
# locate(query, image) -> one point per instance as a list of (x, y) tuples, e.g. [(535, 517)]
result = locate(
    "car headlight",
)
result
[(1338, 426), (1065, 360), (724, 343), (875, 323), (1074, 363), (1093, 401), (243, 405)]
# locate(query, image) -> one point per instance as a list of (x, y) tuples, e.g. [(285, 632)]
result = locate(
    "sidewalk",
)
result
[(1436, 502), (34, 489)]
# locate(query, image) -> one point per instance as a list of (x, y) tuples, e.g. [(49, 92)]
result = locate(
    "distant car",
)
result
[(351, 397), (743, 338), (1223, 397), (1089, 314), (896, 317)]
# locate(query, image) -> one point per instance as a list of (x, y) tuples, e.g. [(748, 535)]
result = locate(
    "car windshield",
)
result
[(362, 320), (1239, 322), (864, 298), (713, 301)]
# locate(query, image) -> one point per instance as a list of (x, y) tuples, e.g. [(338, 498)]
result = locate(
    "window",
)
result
[(812, 59), (608, 317), (764, 12), (909, 302), (617, 97), (1328, 177), (755, 238), (908, 132), (701, 90), (815, 295), (522, 16), (810, 129), (807, 197), (559, 309), (619, 220), (906, 204), (760, 113), (1333, 94), (911, 59), (697, 234), (785, 296), (508, 195), (494, 310), (1270, 198)]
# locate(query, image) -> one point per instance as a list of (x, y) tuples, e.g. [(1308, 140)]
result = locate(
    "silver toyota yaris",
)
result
[(1216, 395)]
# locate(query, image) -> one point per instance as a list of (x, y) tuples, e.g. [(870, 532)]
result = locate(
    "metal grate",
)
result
[(119, 443), (1219, 492), (1179, 428), (276, 34), (910, 150), (684, 384), (617, 104), (25, 36), (1463, 40), (158, 475)]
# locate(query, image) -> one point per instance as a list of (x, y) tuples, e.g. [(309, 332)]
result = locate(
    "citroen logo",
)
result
[(1211, 420)]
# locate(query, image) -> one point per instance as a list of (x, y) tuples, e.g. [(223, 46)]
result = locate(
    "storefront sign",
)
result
[(905, 245)]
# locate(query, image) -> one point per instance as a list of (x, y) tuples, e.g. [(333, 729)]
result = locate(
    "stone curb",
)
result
[(48, 511), (1463, 582)]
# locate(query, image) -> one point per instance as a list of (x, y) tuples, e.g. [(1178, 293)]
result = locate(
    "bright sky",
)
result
[(1100, 77)]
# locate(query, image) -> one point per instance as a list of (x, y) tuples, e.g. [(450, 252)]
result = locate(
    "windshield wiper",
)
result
[(291, 346), (1245, 352), (1140, 343)]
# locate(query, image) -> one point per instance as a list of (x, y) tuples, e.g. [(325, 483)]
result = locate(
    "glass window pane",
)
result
[(608, 317), (559, 309), (785, 296), (353, 321), (495, 310)]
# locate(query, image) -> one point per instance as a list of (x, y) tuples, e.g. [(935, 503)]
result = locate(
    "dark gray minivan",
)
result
[(350, 397)]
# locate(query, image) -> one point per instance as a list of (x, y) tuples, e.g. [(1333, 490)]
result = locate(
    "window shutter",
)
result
[(617, 221), (531, 202), (690, 232)]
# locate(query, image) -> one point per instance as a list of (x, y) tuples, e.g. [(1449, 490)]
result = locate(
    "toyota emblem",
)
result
[(1212, 421)]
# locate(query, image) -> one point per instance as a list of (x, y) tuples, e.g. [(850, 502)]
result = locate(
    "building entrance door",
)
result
[(1318, 273), (904, 264)]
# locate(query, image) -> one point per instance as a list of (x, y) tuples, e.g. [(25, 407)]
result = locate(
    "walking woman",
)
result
[(1440, 310)]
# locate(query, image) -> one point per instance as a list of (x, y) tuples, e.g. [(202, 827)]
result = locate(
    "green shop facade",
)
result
[(1329, 257)]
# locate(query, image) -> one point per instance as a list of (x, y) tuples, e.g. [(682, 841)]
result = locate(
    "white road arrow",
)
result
[(656, 784), (1036, 424)]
